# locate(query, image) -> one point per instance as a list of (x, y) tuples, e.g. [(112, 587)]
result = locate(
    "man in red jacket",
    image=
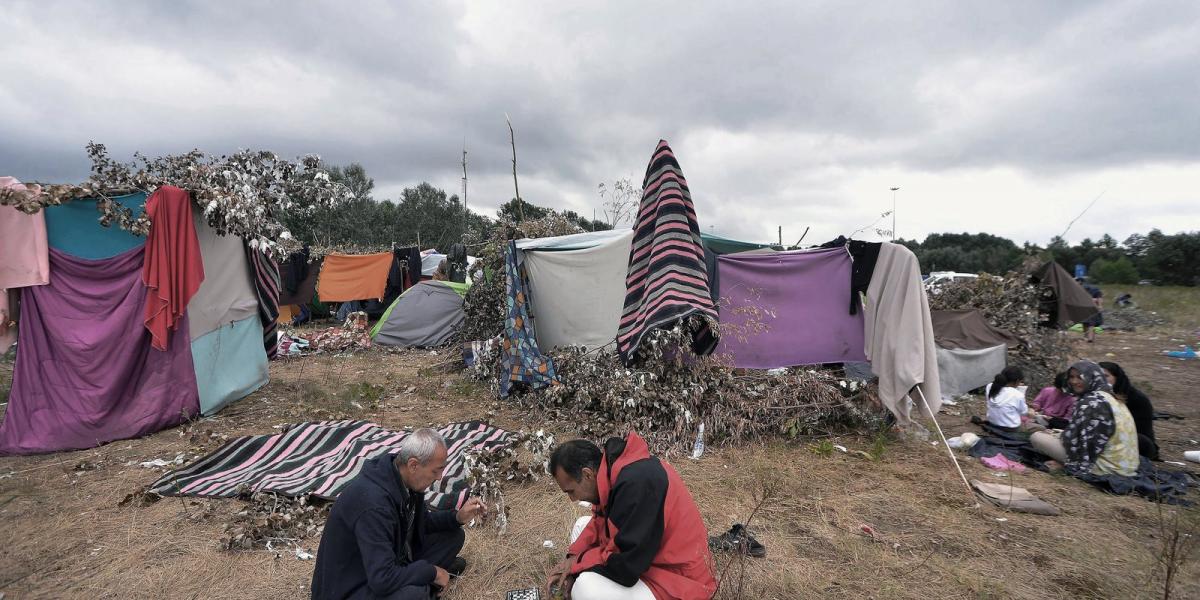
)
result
[(645, 539)]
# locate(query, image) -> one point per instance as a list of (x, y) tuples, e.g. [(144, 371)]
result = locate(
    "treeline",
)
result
[(1157, 257), (423, 215)]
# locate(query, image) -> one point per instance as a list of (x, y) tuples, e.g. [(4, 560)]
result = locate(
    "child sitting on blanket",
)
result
[(1006, 400), (1055, 404)]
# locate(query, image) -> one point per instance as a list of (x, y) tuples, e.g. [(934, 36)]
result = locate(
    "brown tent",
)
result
[(1070, 303), (968, 330)]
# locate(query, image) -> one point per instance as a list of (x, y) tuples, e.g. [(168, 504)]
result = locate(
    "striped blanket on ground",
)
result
[(320, 458), (266, 287), (667, 279)]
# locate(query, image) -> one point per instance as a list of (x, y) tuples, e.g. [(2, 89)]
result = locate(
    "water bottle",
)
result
[(698, 447)]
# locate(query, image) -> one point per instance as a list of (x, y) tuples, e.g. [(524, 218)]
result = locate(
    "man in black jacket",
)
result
[(381, 541)]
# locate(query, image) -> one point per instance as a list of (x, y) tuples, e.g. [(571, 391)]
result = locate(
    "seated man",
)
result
[(381, 541), (645, 539)]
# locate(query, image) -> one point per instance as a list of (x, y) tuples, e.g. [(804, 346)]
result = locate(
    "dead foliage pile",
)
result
[(271, 520), (668, 393), (1011, 303)]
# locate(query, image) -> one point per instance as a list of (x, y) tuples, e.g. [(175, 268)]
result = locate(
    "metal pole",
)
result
[(894, 190)]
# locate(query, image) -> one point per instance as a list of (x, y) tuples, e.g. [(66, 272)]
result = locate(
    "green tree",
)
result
[(1120, 270)]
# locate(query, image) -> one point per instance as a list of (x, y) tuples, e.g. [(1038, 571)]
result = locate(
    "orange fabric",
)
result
[(173, 267), (360, 277), (286, 312)]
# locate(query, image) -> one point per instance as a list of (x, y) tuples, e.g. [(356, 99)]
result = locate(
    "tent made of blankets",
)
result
[(425, 315), (1063, 299), (576, 286), (89, 368), (375, 280), (320, 459), (970, 352)]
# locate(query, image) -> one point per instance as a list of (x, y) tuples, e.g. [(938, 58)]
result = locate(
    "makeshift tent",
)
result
[(424, 315), (968, 330), (430, 259), (970, 351), (1071, 303), (788, 308), (86, 373), (577, 293)]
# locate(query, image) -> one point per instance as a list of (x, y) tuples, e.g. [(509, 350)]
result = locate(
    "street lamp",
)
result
[(894, 190)]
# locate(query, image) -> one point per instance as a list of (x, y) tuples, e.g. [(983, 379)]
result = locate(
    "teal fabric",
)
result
[(74, 227), (230, 363), (723, 245)]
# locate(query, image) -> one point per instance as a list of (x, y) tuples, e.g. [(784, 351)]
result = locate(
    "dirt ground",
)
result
[(64, 534)]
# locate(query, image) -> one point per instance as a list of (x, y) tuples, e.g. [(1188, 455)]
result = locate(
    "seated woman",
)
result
[(1139, 406), (1101, 438), (1005, 402), (1055, 403)]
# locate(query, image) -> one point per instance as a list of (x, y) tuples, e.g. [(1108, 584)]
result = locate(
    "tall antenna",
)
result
[(464, 179)]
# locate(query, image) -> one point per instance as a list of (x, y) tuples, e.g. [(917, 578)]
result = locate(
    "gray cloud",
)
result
[(778, 112)]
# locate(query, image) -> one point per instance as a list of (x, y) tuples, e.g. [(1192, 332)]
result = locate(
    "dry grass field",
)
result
[(64, 533)]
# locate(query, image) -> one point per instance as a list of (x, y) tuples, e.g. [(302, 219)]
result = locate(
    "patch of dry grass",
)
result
[(65, 534)]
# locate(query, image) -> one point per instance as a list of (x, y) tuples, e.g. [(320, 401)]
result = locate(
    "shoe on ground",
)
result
[(737, 540)]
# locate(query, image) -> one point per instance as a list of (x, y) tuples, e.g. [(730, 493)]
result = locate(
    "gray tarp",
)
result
[(227, 293), (426, 315), (961, 371)]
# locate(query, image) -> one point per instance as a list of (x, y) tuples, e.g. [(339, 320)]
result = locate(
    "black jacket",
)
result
[(363, 542)]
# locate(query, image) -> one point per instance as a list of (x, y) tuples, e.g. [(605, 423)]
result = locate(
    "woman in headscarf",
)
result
[(1101, 438), (1139, 406)]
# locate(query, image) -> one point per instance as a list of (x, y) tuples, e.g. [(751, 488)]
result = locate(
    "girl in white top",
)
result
[(1005, 399)]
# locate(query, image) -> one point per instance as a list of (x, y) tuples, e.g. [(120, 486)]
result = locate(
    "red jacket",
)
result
[(646, 526)]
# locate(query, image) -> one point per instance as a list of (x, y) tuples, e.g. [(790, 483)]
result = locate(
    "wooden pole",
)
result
[(512, 138)]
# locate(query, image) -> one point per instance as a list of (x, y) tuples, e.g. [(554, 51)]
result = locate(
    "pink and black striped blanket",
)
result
[(320, 458)]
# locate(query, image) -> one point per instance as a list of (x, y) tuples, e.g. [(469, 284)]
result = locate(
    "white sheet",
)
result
[(227, 293), (577, 295)]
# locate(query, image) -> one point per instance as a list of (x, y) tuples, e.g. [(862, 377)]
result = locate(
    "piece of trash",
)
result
[(965, 440), (867, 529), (777, 371), (548, 544), (698, 447), (999, 474), (1192, 455), (841, 448), (8, 475), (158, 462), (302, 555), (356, 405), (1002, 519), (1174, 462)]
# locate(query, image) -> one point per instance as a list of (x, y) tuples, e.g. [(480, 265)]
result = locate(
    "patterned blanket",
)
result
[(521, 362), (667, 279), (320, 458)]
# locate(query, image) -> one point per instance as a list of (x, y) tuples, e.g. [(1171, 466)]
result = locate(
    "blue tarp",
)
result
[(230, 363), (74, 227)]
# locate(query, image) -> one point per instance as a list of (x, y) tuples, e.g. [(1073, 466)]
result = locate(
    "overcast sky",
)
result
[(1004, 117)]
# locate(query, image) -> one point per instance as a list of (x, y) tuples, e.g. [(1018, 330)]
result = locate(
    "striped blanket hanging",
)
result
[(667, 279), (320, 458), (266, 286)]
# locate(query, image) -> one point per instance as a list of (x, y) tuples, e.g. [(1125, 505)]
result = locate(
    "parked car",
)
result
[(937, 279)]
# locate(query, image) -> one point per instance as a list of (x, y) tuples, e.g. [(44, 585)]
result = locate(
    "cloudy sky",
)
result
[(1005, 117)]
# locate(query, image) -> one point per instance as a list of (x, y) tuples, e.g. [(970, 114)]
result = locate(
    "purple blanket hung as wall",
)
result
[(806, 292), (85, 372)]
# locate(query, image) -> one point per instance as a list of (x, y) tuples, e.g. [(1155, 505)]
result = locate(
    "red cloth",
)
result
[(680, 570), (173, 268)]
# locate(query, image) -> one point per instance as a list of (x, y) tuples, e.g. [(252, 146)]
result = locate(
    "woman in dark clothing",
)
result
[(1139, 406)]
